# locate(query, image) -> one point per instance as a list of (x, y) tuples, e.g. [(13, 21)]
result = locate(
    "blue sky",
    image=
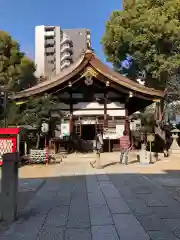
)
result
[(20, 17)]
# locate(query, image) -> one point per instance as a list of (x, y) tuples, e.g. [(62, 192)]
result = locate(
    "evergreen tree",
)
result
[(148, 31), (16, 70), (16, 74)]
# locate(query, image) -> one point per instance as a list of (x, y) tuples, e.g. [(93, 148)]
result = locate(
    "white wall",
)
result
[(90, 105), (65, 95), (39, 50), (58, 52), (98, 109), (118, 113), (96, 105)]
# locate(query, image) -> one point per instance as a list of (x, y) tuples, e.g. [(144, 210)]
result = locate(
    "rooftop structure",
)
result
[(56, 48)]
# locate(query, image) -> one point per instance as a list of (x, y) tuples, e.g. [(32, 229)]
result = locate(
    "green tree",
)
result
[(36, 110), (16, 70), (32, 112), (149, 31)]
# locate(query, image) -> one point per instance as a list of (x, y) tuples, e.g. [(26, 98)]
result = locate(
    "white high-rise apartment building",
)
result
[(56, 49)]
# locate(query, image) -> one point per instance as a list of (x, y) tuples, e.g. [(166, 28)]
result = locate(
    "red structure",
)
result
[(9, 141)]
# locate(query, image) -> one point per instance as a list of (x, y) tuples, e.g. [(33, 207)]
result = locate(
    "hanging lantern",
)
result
[(45, 127)]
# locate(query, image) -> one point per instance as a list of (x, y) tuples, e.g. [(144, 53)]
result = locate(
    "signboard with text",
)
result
[(65, 129)]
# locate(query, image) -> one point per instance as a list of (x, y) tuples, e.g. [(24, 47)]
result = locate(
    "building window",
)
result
[(49, 29), (61, 35), (51, 61), (66, 54), (66, 45)]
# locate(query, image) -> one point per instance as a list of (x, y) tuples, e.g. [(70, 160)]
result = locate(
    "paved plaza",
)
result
[(77, 202)]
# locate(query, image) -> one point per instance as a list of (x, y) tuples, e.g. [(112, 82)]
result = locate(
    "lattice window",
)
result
[(7, 146)]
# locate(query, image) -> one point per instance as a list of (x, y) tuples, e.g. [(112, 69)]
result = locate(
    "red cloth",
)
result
[(124, 142)]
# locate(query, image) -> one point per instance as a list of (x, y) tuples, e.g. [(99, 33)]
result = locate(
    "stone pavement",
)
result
[(31, 179), (118, 202)]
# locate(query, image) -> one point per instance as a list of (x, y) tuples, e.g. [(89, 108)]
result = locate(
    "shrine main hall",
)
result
[(92, 97)]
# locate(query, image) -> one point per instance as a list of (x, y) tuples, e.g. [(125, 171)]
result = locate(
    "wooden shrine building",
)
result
[(93, 97)]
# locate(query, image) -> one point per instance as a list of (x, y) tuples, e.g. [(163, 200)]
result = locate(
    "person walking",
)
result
[(97, 146), (125, 146)]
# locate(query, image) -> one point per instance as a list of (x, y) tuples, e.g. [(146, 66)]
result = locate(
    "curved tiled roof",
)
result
[(123, 81), (88, 59)]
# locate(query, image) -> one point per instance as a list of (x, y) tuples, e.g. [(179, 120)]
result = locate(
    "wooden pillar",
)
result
[(71, 107), (105, 104), (126, 122), (105, 111), (159, 110)]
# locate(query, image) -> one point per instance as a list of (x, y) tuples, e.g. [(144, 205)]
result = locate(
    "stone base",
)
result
[(175, 152), (144, 157)]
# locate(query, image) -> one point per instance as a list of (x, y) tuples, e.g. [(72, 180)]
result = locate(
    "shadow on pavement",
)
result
[(99, 206)]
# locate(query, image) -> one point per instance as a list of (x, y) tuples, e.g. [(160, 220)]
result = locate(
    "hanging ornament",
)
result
[(88, 80)]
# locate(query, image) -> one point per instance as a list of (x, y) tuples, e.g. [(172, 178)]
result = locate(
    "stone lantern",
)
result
[(175, 149)]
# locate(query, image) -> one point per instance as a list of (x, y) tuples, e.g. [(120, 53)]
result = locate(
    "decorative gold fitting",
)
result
[(156, 100), (90, 72)]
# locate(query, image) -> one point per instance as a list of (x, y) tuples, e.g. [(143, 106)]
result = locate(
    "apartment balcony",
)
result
[(66, 39), (88, 36), (65, 64), (49, 28), (66, 55), (50, 59), (50, 50), (88, 42), (46, 37), (49, 34), (49, 42), (66, 48)]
